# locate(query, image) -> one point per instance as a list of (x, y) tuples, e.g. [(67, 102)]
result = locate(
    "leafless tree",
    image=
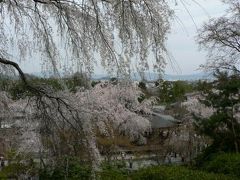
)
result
[(221, 37)]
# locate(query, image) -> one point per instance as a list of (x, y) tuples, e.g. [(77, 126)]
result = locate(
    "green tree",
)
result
[(77, 80), (223, 126), (172, 91)]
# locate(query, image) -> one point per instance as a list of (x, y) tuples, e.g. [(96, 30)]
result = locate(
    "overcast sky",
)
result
[(181, 42)]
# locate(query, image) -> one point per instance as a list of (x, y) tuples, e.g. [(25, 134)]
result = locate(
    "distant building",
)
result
[(159, 120)]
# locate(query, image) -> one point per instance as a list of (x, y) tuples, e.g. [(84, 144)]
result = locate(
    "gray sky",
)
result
[(181, 42)]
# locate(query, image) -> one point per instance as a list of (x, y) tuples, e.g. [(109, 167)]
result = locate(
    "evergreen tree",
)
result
[(223, 126)]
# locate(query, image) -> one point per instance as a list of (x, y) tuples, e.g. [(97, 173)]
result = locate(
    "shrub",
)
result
[(19, 164), (18, 89), (175, 172), (224, 163), (67, 168), (116, 172)]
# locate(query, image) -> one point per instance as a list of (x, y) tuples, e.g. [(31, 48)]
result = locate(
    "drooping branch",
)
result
[(16, 66), (37, 91), (87, 28)]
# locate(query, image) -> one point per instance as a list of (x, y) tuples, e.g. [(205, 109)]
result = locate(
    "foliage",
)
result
[(172, 91), (223, 126), (73, 168), (67, 168), (76, 81), (18, 89), (105, 111), (73, 35), (175, 172), (5, 83), (16, 169), (114, 80), (223, 163), (202, 86), (142, 85), (94, 83), (146, 94), (19, 165), (110, 171)]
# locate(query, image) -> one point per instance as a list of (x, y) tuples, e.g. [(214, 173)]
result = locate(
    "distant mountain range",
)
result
[(190, 77), (155, 76), (136, 77)]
